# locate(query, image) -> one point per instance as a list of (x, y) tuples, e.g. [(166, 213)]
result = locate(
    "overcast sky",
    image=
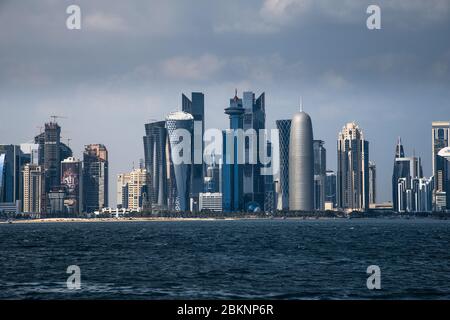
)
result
[(131, 61)]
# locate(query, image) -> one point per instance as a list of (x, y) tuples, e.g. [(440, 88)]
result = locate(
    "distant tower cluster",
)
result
[(411, 192), (45, 179)]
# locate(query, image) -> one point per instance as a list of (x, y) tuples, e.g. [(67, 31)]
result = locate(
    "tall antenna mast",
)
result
[(301, 103)]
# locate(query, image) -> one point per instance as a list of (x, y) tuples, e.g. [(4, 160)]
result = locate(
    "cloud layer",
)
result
[(132, 60)]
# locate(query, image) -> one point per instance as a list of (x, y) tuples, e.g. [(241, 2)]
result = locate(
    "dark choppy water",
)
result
[(280, 259)]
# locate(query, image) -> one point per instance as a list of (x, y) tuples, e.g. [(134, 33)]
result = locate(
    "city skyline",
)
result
[(112, 192), (344, 72)]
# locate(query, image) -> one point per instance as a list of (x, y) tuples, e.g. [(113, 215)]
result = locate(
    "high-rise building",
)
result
[(233, 158), (137, 189), (269, 184), (30, 152), (122, 190), (409, 188), (95, 177), (301, 163), (414, 195), (320, 172), (212, 178), (156, 162), (284, 131), (52, 159), (330, 188), (11, 161), (353, 169), (33, 188), (442, 180), (56, 202), (196, 107), (440, 134), (254, 118), (372, 182), (51, 152), (177, 123), (72, 183)]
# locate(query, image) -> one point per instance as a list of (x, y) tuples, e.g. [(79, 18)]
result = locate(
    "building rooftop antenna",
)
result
[(301, 103)]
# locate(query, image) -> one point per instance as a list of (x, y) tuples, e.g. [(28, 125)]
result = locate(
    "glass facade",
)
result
[(284, 131), (232, 171)]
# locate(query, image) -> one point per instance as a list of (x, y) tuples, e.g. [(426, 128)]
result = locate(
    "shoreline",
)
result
[(177, 219), (146, 219)]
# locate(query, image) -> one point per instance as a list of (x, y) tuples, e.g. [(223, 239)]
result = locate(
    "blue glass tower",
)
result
[(196, 107), (232, 172)]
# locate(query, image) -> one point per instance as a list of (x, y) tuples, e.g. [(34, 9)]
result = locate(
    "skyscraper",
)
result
[(330, 188), (405, 170), (52, 159), (212, 178), (196, 107), (177, 123), (51, 152), (440, 133), (254, 118), (95, 177), (155, 162), (301, 163), (137, 189), (284, 131), (11, 161), (442, 186), (232, 169), (123, 181), (72, 182), (372, 182), (353, 169), (320, 171), (33, 188)]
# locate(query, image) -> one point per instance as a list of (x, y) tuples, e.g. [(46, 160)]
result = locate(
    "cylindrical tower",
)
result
[(175, 122), (301, 163)]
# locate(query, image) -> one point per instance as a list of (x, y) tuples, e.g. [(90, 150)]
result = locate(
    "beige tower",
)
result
[(33, 188), (353, 169)]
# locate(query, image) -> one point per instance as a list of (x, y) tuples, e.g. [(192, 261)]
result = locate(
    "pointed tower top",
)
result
[(399, 151), (301, 103)]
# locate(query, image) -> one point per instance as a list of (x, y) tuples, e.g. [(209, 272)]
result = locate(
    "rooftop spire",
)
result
[(301, 103)]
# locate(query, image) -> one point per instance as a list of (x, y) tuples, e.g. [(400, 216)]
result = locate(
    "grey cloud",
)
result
[(133, 59)]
